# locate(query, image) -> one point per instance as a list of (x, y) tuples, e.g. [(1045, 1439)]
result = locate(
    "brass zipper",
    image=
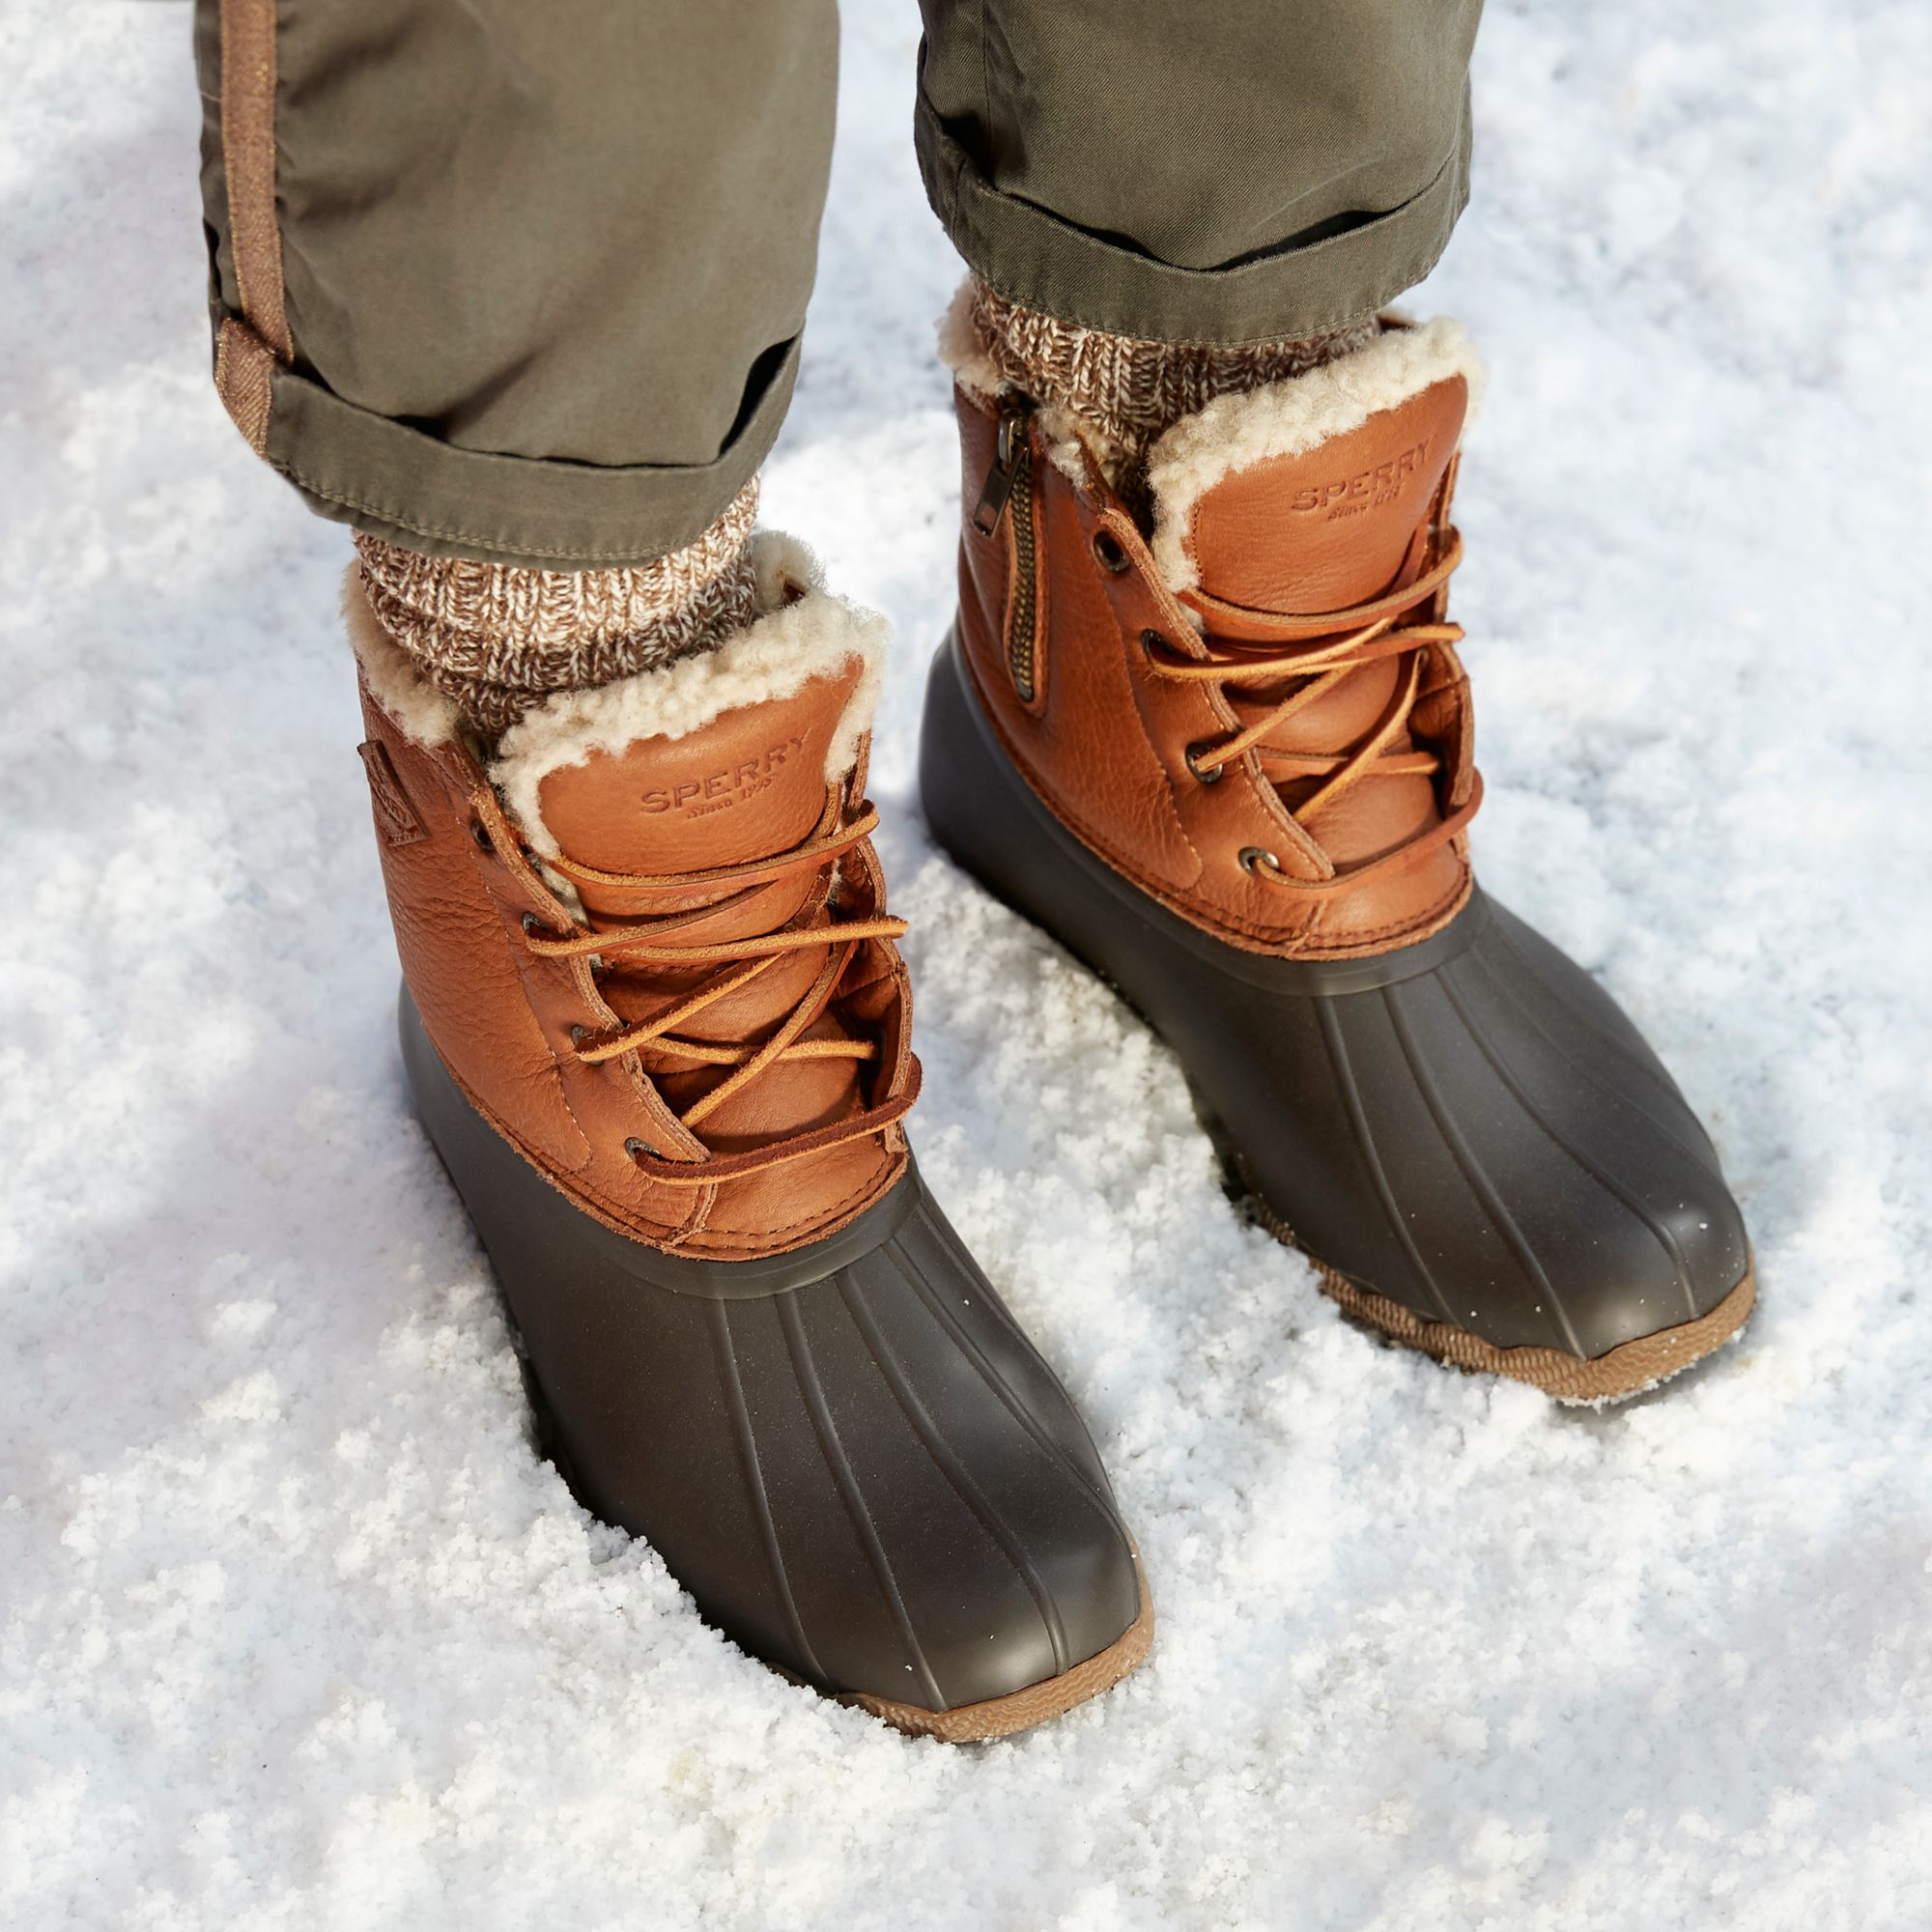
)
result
[(1008, 491)]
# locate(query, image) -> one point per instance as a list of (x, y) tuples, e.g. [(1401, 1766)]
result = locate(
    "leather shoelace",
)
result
[(1371, 633), (655, 940)]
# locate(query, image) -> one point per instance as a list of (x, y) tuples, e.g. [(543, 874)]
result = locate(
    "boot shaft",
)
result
[(650, 940), (1253, 707)]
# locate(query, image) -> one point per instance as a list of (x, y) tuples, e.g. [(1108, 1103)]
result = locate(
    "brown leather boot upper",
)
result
[(1256, 713), (666, 973), (1249, 713)]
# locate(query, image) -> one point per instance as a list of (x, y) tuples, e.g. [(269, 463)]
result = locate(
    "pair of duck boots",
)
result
[(1218, 742)]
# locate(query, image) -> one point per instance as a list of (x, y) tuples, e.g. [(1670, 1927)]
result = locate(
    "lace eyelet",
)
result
[(1107, 547), (1255, 858), (579, 1034), (533, 925), (635, 1147), (1151, 643), (1203, 773), (480, 833)]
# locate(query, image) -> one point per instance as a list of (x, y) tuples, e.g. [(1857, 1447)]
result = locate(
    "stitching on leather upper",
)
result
[(1220, 926), (842, 1210)]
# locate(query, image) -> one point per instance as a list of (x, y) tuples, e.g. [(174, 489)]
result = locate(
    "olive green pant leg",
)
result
[(1224, 172), (512, 281)]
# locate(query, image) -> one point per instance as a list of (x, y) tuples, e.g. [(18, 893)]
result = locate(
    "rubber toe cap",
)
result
[(888, 1490), (949, 1536), (1541, 1181)]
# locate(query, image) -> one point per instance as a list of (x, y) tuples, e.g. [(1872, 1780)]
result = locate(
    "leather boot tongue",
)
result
[(1328, 526), (719, 759), (1299, 523), (748, 785)]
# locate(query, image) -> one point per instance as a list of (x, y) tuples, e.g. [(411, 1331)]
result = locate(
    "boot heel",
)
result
[(985, 816), (961, 779)]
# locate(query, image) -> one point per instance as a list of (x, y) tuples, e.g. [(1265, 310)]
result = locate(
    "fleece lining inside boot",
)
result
[(1290, 418), (803, 633)]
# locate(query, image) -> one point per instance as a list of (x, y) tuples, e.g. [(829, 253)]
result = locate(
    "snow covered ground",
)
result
[(296, 1632)]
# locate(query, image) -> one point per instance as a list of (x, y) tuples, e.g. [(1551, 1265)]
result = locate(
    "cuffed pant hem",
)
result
[(411, 488), (1036, 260)]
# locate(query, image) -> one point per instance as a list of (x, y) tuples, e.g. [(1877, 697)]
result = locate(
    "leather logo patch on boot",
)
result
[(396, 818), (1367, 489), (707, 792)]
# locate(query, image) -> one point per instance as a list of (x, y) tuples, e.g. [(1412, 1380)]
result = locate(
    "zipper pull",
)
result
[(998, 484)]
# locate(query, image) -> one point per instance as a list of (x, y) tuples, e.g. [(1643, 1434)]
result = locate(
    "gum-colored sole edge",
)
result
[(1021, 1710), (1626, 1371), (1623, 1371)]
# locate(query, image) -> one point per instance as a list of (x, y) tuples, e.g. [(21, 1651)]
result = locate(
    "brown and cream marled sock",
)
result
[(499, 638), (1124, 390)]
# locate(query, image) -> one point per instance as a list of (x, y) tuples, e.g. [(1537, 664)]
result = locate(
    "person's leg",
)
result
[(517, 294), (1165, 204), (1204, 716), (514, 283), (515, 291)]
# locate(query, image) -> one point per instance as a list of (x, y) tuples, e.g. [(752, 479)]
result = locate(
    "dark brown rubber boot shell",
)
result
[(849, 1454), (1467, 1130)]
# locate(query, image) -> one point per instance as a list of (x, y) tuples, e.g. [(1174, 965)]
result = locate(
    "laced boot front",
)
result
[(1225, 752), (706, 1010), (659, 1032), (730, 913), (1327, 703)]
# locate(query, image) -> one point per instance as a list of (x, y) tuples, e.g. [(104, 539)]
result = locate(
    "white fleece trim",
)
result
[(422, 713), (1078, 448), (1287, 418), (784, 563), (961, 350), (814, 636)]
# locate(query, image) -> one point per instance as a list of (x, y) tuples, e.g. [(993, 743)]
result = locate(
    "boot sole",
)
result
[(1625, 1372), (1036, 1704), (1001, 795)]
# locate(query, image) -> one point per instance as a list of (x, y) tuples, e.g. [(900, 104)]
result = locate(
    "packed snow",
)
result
[(296, 1630)]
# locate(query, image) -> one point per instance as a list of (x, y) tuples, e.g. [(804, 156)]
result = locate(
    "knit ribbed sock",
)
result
[(1122, 390), (497, 639)]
